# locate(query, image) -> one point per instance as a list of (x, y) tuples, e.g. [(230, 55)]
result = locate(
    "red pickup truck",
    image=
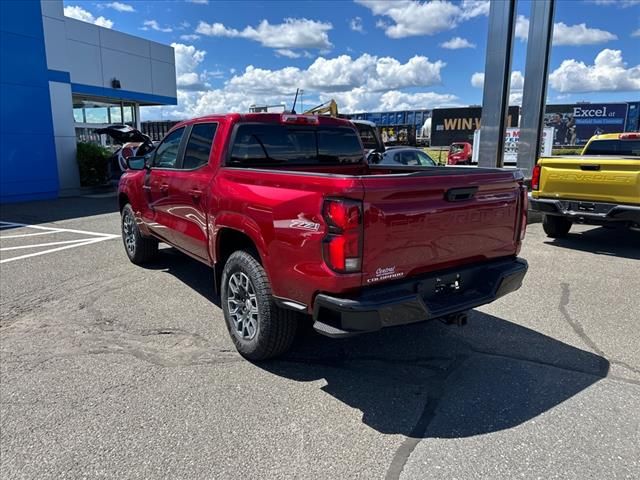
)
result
[(293, 221)]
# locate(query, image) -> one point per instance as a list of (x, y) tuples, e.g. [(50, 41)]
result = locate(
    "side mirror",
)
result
[(374, 157), (137, 163)]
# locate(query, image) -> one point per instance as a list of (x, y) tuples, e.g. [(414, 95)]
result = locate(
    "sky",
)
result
[(369, 55)]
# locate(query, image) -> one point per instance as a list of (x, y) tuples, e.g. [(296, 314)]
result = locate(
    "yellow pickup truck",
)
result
[(599, 187)]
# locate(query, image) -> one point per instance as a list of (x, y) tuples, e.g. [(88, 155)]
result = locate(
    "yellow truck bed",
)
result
[(590, 188), (593, 178)]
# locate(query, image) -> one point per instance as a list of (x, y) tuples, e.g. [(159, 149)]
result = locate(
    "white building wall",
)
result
[(93, 56)]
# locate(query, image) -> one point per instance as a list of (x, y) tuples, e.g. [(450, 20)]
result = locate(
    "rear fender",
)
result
[(241, 224)]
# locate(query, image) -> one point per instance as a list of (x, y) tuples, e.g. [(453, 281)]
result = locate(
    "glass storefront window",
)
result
[(116, 115), (96, 115), (128, 114), (78, 115)]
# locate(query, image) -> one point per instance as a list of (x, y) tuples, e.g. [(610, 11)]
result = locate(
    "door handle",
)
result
[(590, 166), (164, 188), (195, 194)]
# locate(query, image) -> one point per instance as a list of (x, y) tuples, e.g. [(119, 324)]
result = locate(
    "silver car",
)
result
[(406, 156)]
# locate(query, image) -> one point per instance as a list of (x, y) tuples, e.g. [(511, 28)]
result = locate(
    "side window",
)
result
[(409, 158), (426, 160), (199, 145), (167, 152)]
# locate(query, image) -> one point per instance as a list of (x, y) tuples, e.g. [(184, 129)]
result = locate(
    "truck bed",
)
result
[(415, 220)]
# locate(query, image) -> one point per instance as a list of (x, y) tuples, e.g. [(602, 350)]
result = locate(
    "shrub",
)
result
[(93, 163), (567, 151)]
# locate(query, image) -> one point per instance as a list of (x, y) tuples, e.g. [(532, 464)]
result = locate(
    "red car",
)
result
[(460, 154), (295, 223)]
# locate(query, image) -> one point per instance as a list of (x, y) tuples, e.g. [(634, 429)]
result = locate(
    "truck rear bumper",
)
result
[(422, 298), (593, 213)]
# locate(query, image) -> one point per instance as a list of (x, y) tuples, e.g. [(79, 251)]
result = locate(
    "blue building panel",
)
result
[(123, 94), (28, 166)]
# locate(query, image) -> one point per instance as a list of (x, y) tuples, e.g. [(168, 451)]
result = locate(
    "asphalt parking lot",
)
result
[(109, 370)]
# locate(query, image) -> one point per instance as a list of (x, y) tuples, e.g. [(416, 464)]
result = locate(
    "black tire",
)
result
[(556, 227), (139, 249), (274, 328)]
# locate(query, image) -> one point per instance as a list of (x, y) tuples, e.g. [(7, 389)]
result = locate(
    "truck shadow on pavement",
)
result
[(429, 379), (602, 241), (47, 211), (433, 380)]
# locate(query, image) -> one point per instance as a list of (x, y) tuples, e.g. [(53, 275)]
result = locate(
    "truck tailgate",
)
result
[(605, 179), (424, 221)]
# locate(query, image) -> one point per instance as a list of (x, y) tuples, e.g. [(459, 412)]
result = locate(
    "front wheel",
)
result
[(555, 227), (259, 329), (139, 249)]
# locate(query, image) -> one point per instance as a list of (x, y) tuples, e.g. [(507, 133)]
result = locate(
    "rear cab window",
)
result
[(265, 145), (199, 145), (613, 147)]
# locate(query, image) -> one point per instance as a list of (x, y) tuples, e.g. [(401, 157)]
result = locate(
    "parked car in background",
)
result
[(460, 153), (409, 156), (599, 187), (295, 223)]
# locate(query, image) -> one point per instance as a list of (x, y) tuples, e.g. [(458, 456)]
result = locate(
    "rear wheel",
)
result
[(555, 227), (139, 249), (259, 329)]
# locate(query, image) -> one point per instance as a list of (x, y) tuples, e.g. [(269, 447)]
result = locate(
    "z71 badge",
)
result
[(304, 225)]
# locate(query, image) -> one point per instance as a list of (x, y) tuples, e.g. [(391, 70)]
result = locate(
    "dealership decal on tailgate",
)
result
[(386, 273)]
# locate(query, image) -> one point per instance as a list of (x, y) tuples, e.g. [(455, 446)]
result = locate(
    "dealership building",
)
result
[(60, 79)]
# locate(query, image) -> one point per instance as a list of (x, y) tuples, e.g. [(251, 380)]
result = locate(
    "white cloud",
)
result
[(412, 17), (120, 7), (153, 25), (456, 43), (365, 82), (293, 33), (285, 52), (190, 37), (618, 3), (103, 22), (356, 25), (564, 34), (199, 2), (83, 15), (515, 92), (636, 33), (475, 8), (188, 60), (608, 73), (517, 80), (395, 100), (522, 27), (477, 80)]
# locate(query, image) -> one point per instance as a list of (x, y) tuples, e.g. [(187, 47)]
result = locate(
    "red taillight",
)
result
[(629, 136), (535, 178), (343, 243), (299, 119)]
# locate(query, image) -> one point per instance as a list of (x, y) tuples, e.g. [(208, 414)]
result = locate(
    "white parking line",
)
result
[(96, 237), (69, 230), (29, 255), (37, 245), (2, 237)]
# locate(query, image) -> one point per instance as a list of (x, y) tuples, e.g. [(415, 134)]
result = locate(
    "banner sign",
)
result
[(575, 124), (511, 140), (451, 125)]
